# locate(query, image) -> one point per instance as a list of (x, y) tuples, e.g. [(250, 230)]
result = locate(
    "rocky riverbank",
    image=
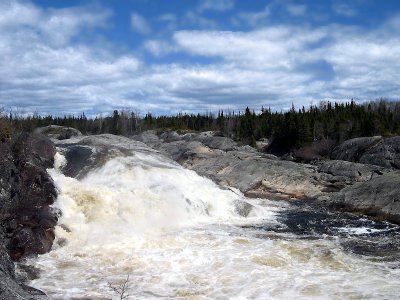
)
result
[(361, 176), (368, 188), (26, 218)]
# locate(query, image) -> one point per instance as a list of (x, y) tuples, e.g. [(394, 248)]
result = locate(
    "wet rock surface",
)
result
[(87, 152), (332, 182), (12, 287), (27, 220)]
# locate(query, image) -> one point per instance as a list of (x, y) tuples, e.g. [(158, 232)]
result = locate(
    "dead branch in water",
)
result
[(120, 289)]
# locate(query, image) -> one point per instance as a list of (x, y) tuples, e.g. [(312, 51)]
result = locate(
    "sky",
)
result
[(169, 56)]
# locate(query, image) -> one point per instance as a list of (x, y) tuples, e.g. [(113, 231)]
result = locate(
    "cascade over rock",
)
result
[(129, 209), (262, 175)]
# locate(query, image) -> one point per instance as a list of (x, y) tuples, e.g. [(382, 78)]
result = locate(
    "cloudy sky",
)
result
[(168, 56)]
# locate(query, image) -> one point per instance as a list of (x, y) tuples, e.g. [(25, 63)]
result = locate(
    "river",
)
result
[(180, 236)]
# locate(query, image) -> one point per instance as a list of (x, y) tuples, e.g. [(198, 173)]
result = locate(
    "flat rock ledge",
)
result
[(369, 189)]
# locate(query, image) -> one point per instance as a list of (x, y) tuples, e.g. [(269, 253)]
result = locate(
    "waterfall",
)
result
[(179, 235)]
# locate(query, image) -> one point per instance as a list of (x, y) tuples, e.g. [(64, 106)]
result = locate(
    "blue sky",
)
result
[(169, 56)]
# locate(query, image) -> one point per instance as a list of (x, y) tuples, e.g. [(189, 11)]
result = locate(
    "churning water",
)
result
[(178, 235)]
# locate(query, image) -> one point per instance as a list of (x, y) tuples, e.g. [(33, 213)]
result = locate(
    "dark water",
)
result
[(376, 240)]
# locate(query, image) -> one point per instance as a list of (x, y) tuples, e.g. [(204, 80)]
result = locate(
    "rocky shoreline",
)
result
[(361, 176), (366, 188), (26, 216)]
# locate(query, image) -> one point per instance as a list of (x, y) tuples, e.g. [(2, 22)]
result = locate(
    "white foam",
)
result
[(360, 230), (137, 196), (59, 161)]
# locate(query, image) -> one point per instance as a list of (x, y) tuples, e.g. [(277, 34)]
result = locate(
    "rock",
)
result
[(177, 150), (58, 132), (170, 136), (249, 149), (265, 176), (35, 149), (183, 151), (378, 197), (27, 221), (242, 167), (243, 208), (88, 152), (10, 286), (218, 142), (199, 136), (352, 150), (208, 138), (353, 172), (384, 152), (270, 156), (78, 158), (27, 192), (114, 143), (148, 137)]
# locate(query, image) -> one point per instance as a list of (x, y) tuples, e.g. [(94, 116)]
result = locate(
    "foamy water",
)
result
[(178, 235)]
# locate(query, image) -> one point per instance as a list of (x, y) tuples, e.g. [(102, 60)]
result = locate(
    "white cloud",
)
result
[(217, 5), (16, 14), (335, 62), (275, 66), (271, 47), (42, 71), (139, 24), (57, 26)]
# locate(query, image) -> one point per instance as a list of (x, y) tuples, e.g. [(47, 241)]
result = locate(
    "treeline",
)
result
[(289, 130)]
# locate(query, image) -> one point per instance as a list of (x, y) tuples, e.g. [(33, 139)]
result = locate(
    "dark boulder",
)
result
[(10, 286), (28, 191), (384, 152), (353, 149), (35, 149), (26, 218)]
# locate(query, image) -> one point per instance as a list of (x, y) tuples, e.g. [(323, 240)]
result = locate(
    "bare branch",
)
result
[(120, 289)]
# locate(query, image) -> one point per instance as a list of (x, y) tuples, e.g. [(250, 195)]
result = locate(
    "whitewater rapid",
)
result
[(178, 235)]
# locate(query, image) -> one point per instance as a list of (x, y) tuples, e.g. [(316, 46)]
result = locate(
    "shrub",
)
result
[(319, 149)]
